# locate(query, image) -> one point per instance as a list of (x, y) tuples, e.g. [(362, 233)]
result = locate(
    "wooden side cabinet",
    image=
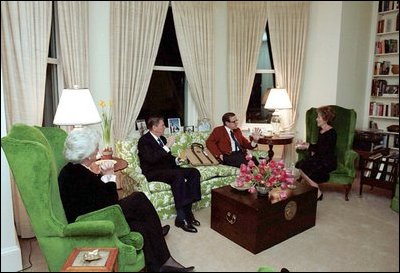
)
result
[(379, 170), (106, 263)]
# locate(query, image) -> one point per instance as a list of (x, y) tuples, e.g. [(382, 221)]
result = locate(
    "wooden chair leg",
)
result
[(347, 191)]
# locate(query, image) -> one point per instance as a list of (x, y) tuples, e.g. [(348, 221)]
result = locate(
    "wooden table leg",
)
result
[(270, 152)]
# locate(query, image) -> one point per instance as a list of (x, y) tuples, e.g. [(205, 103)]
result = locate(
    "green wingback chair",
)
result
[(35, 158), (344, 125)]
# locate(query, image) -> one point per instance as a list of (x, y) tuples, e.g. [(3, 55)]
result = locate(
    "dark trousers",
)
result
[(235, 159), (184, 182), (143, 218)]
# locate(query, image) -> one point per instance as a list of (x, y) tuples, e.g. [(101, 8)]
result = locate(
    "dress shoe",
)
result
[(320, 197), (185, 225), (165, 230), (168, 268), (193, 220)]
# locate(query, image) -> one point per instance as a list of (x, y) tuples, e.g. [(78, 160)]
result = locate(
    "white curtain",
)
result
[(136, 29), (73, 25), (25, 34), (194, 26), (246, 25), (288, 26)]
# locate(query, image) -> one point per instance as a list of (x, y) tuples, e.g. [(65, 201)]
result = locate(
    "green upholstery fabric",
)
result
[(33, 154), (160, 193), (344, 125)]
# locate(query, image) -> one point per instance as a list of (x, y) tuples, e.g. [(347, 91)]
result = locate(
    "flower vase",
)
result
[(262, 191), (107, 153)]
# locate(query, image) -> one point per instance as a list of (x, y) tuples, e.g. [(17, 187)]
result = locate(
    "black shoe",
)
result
[(168, 268), (165, 230), (320, 197), (194, 221), (185, 225)]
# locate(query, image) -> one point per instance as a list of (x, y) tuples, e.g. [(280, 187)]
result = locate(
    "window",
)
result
[(53, 73), (166, 93), (263, 81)]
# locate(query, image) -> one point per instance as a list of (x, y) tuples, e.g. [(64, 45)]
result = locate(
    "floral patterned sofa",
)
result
[(160, 193)]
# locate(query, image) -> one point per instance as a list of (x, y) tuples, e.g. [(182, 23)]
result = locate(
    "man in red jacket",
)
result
[(228, 144)]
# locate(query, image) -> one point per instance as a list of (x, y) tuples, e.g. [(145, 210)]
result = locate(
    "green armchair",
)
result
[(35, 158), (344, 125)]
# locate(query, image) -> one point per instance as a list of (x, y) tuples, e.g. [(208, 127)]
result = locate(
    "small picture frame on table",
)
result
[(141, 126), (174, 125), (188, 129)]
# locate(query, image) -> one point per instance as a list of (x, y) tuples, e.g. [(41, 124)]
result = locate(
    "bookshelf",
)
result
[(384, 93)]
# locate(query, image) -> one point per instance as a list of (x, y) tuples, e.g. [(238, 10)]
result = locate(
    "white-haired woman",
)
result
[(83, 191)]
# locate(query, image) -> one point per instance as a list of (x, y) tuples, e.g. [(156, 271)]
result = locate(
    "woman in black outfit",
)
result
[(322, 161), (83, 191)]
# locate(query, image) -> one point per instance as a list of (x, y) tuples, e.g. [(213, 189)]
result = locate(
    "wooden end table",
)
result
[(107, 262), (274, 140)]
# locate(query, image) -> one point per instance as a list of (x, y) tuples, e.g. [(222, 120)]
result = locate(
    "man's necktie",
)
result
[(237, 145), (160, 142)]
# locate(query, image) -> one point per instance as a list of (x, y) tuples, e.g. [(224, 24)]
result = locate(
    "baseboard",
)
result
[(11, 259)]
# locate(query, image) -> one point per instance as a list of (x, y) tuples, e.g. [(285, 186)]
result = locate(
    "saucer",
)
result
[(245, 186)]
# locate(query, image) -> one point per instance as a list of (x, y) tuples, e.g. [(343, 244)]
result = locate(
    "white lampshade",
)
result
[(76, 107), (278, 98)]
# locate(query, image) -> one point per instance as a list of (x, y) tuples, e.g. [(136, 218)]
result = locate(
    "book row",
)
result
[(380, 109)]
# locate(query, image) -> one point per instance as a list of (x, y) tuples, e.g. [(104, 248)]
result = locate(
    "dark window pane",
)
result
[(255, 110), (52, 44), (51, 96), (165, 96), (262, 83), (168, 52)]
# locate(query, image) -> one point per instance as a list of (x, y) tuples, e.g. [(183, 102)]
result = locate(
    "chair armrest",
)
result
[(93, 228), (111, 213), (350, 158), (133, 238)]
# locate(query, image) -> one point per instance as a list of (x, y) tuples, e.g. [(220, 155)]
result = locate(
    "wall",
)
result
[(10, 250), (353, 61), (336, 58)]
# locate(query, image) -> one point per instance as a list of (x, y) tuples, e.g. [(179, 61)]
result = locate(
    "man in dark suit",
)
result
[(228, 144), (158, 164)]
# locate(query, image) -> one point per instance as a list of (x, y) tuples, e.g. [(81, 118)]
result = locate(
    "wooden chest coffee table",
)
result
[(256, 224)]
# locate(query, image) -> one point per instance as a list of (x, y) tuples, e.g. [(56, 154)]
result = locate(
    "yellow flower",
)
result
[(106, 122)]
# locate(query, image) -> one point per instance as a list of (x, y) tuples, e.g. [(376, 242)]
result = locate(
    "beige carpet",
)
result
[(359, 235)]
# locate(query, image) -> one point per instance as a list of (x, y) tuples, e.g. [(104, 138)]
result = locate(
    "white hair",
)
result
[(80, 144)]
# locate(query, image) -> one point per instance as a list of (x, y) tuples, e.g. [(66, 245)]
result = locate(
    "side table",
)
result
[(107, 262), (275, 140)]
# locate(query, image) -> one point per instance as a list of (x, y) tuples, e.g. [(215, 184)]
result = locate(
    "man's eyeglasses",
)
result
[(233, 121)]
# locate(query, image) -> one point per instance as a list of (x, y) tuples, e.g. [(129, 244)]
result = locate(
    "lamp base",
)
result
[(276, 124)]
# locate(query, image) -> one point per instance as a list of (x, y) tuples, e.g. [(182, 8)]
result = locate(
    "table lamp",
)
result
[(278, 99), (77, 108)]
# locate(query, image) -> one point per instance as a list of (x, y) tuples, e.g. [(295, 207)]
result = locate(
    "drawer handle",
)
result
[(230, 217)]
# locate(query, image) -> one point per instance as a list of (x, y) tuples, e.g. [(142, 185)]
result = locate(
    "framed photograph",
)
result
[(391, 91), (174, 125), (188, 129), (141, 126)]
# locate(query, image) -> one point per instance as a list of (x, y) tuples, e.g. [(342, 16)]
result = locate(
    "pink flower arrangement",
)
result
[(269, 175)]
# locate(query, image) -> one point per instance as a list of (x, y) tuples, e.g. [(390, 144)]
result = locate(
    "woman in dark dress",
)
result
[(83, 191), (322, 161)]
